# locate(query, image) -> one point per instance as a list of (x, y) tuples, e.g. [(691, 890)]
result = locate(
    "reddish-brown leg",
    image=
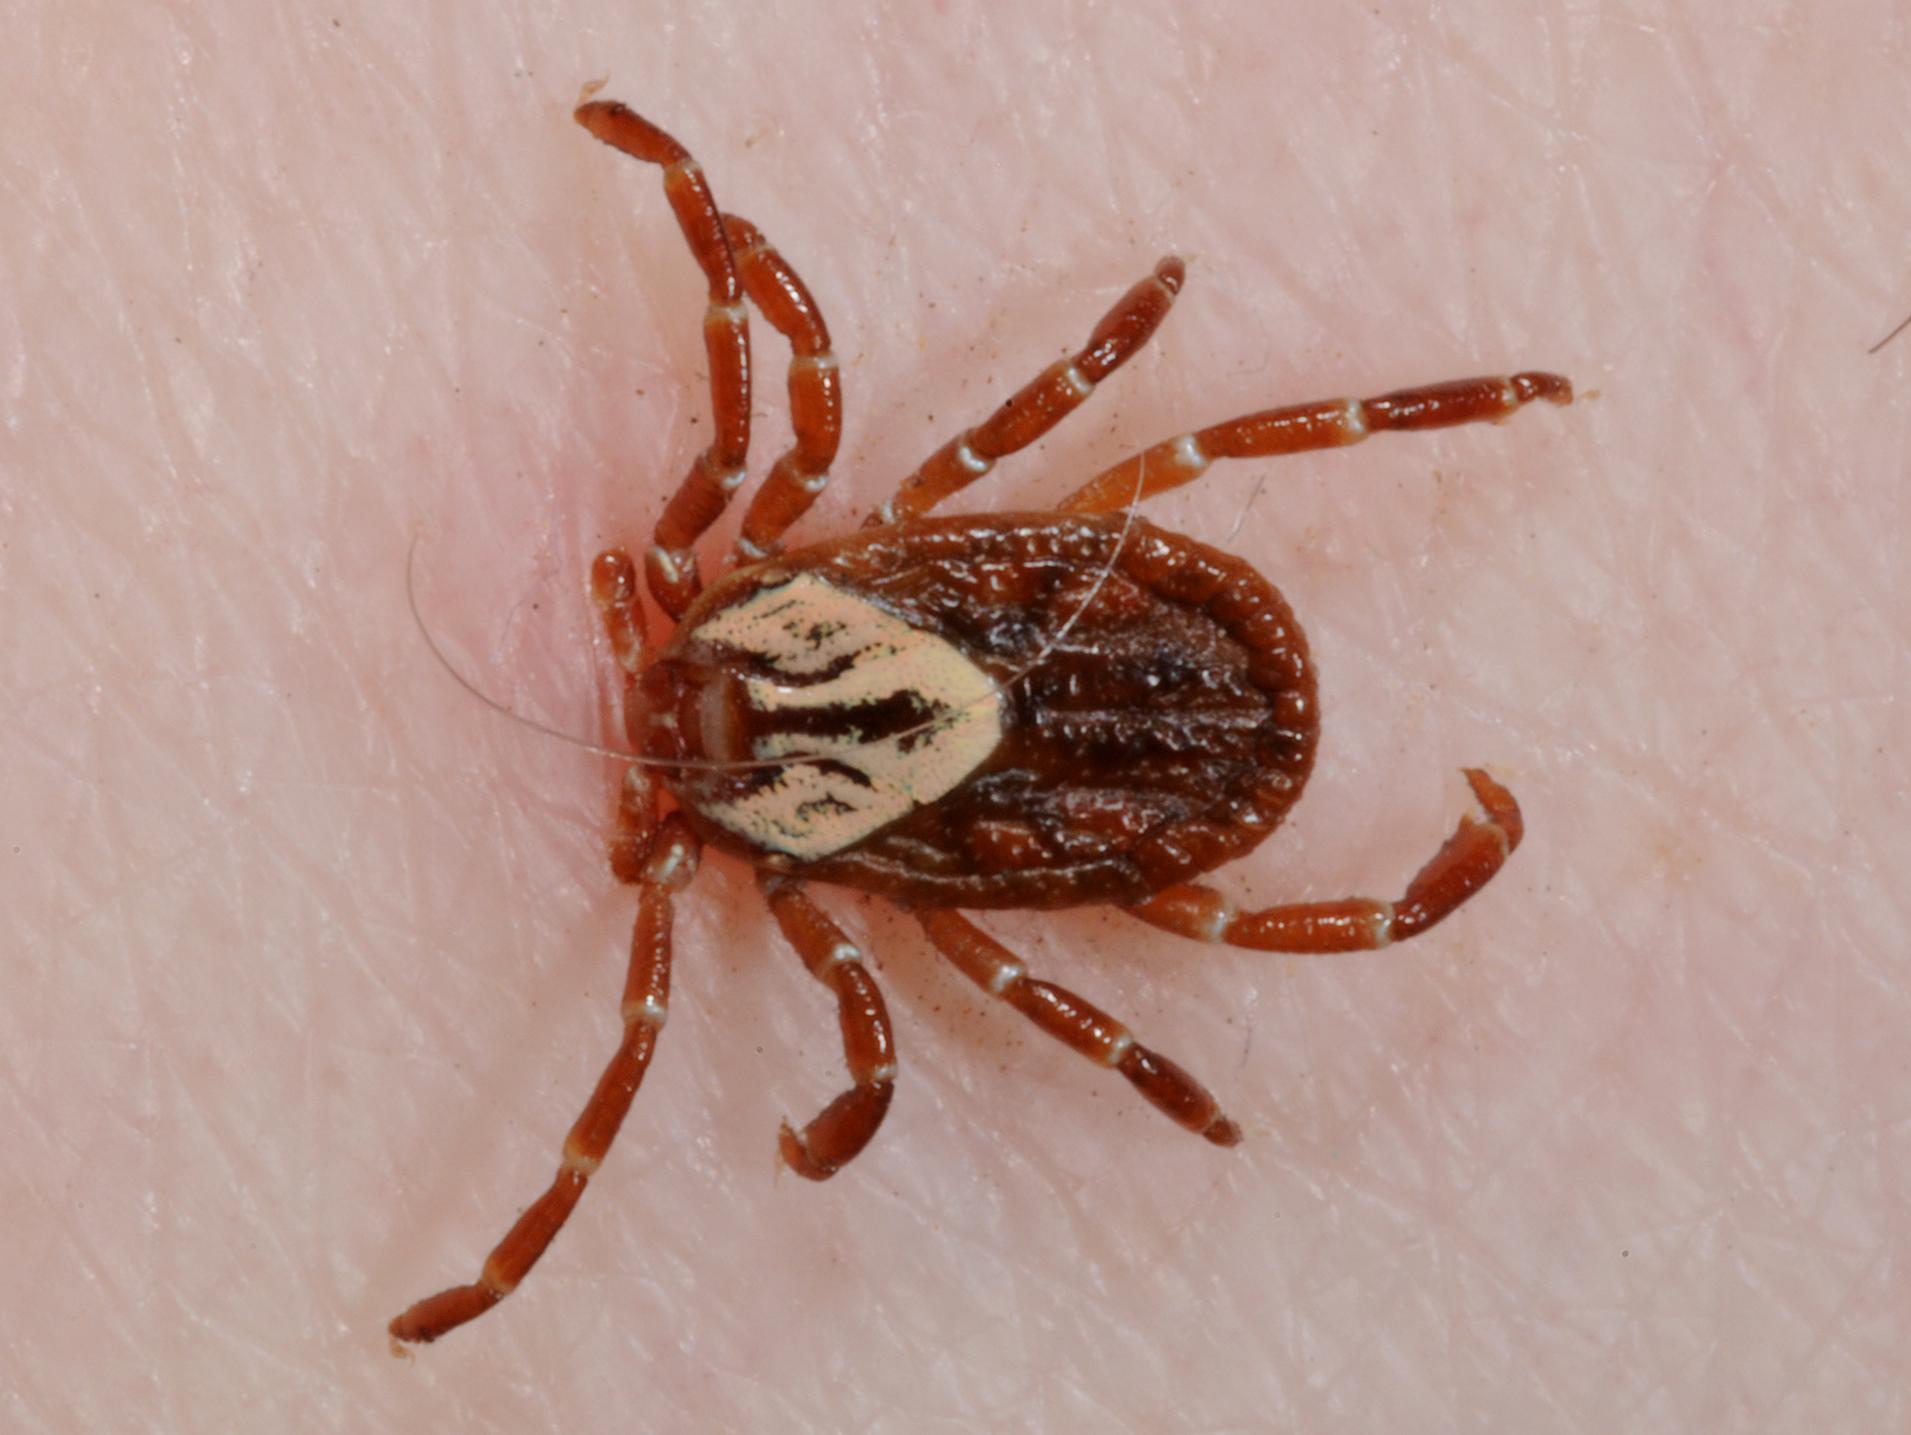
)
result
[(1331, 423), (816, 391), (672, 860), (841, 1130), (716, 473), (1044, 401), (660, 862), (614, 588), (1078, 1025), (1460, 868)]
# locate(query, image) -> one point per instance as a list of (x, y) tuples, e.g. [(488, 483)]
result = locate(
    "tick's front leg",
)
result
[(717, 472), (670, 863)]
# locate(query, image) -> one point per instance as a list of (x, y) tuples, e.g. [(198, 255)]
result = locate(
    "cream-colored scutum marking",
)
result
[(807, 627)]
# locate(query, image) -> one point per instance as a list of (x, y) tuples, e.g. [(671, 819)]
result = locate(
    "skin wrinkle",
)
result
[(1618, 1148)]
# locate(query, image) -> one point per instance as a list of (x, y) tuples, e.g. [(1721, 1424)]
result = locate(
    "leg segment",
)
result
[(816, 391), (1332, 423), (837, 1134), (1044, 401), (672, 861), (1460, 868), (614, 590), (1077, 1025), (718, 470)]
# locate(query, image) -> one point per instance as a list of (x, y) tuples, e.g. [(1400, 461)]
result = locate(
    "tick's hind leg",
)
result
[(1467, 861), (1330, 423), (839, 1132), (816, 391), (1078, 1025), (715, 473), (670, 863), (1044, 401)]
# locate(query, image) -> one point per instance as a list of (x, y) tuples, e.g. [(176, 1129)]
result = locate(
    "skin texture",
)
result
[(311, 960)]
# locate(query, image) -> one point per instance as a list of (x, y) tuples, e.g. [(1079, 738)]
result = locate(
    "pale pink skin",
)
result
[(310, 960)]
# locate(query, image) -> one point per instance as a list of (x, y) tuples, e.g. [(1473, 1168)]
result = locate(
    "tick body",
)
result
[(957, 755), (1041, 709)]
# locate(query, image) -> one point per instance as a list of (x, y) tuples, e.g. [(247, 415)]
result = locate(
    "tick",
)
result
[(1060, 708)]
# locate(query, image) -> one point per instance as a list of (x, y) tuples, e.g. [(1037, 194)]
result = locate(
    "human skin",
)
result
[(312, 959)]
